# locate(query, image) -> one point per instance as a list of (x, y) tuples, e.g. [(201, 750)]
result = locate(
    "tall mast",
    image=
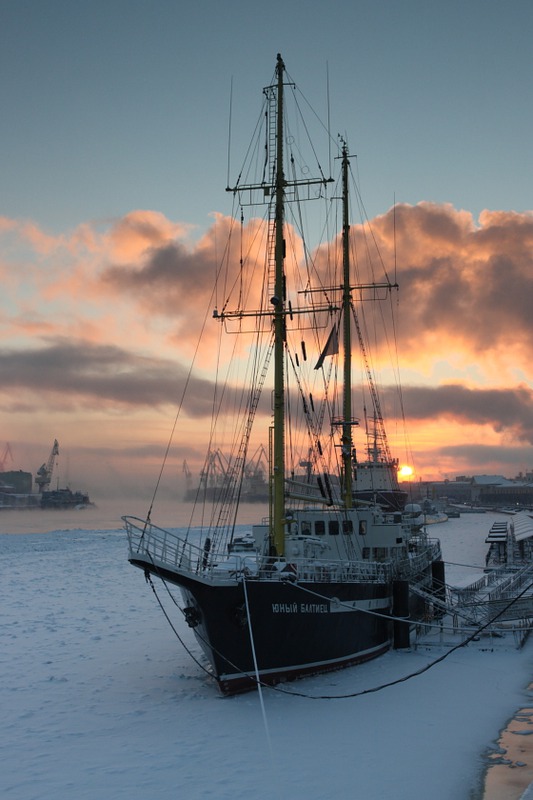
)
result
[(278, 478), (275, 188), (347, 439)]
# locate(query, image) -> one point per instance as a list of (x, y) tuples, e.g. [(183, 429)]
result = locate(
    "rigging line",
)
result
[(228, 495), (246, 163), (309, 140), (456, 564), (312, 430), (303, 694), (251, 404), (182, 400), (371, 613), (245, 257), (180, 640), (297, 90), (396, 364), (258, 680), (369, 226), (415, 674), (180, 406), (197, 634)]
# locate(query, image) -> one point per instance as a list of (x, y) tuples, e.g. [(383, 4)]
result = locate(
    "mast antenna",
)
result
[(329, 115), (229, 128)]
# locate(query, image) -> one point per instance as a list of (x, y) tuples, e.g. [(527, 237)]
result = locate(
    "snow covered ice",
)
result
[(100, 700)]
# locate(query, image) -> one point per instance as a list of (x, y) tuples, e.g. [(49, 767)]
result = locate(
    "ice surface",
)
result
[(100, 701)]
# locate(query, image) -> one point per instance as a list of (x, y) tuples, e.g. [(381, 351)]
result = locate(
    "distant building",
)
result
[(15, 490), (18, 482), (457, 491), (478, 490), (495, 490)]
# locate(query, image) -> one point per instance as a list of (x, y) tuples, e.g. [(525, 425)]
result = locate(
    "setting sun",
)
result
[(405, 471)]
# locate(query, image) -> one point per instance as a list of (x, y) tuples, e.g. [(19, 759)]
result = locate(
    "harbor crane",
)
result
[(3, 458), (43, 477)]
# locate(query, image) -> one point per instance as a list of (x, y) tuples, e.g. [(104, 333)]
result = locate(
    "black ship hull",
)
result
[(279, 630)]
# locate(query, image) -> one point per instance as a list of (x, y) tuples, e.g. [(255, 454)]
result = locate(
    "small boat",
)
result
[(317, 584)]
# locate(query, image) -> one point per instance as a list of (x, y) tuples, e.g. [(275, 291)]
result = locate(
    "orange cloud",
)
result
[(130, 236), (106, 317)]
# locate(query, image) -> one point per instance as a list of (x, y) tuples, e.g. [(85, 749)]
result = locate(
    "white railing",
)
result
[(158, 546)]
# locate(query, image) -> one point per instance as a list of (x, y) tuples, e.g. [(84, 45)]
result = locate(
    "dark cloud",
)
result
[(503, 409), (464, 299), (461, 285), (85, 374), (170, 279), (481, 455)]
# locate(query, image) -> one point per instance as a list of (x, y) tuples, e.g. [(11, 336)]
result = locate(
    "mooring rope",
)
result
[(258, 679), (276, 688)]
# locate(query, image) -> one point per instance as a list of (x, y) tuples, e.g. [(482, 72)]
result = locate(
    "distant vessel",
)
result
[(313, 586), (64, 498), (16, 489), (57, 498), (376, 477), (214, 479)]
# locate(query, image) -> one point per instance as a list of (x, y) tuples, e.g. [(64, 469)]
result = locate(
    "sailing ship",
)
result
[(214, 479), (376, 476), (321, 582)]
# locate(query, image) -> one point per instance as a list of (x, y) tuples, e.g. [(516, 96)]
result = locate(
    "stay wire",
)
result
[(258, 680), (423, 669), (149, 580), (178, 412), (187, 650)]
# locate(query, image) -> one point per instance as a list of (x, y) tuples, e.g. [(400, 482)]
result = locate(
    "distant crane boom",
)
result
[(3, 458), (43, 477)]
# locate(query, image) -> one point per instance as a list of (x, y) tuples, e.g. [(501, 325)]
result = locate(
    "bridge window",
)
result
[(333, 527), (362, 527), (320, 527), (347, 526)]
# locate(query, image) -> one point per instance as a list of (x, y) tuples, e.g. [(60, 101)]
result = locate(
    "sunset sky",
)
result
[(114, 131)]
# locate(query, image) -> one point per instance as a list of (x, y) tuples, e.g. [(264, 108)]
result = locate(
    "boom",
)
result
[(43, 477)]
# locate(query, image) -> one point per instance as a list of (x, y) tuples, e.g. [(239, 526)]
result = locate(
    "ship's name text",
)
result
[(300, 608)]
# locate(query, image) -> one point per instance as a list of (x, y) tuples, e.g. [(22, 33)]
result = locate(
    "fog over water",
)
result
[(106, 515)]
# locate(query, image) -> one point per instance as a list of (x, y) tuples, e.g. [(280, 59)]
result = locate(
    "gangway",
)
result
[(502, 596)]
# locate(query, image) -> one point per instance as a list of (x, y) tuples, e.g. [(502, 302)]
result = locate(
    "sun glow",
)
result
[(405, 471)]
